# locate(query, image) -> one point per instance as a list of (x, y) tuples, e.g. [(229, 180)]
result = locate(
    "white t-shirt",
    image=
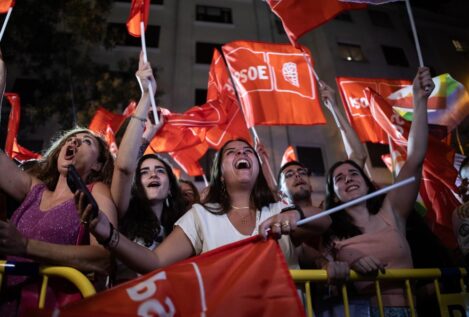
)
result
[(207, 231)]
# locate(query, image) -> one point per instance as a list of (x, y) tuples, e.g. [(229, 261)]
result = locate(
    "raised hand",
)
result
[(145, 76), (98, 226), (423, 84), (327, 95)]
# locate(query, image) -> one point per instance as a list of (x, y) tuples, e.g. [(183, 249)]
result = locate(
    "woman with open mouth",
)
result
[(46, 227), (146, 192)]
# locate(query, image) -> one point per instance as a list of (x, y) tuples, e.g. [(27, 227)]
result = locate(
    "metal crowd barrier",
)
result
[(406, 275), (74, 276)]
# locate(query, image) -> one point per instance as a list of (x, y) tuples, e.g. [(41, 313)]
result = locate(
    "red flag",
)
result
[(5, 5), (22, 154), (357, 106), (275, 83), (104, 118), (110, 139), (13, 122), (301, 16), (289, 155), (245, 278), (438, 189), (220, 91), (130, 109), (188, 159), (207, 115), (139, 12)]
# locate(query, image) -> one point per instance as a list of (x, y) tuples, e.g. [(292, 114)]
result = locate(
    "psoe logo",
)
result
[(290, 73)]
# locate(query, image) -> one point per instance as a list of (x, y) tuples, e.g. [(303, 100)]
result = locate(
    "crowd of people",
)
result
[(148, 219)]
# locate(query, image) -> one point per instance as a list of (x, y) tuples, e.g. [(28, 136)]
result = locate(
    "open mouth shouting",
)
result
[(154, 184), (70, 152), (242, 164)]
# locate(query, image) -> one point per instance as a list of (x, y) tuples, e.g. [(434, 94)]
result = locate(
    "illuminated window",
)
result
[(351, 52)]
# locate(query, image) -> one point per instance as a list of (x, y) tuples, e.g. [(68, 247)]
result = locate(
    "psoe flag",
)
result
[(357, 106), (245, 278), (275, 83), (5, 5), (139, 11)]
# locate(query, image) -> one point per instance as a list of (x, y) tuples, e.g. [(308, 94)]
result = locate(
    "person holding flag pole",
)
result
[(357, 235)]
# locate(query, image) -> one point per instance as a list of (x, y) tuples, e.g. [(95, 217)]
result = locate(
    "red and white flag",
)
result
[(289, 155), (13, 122), (139, 11), (275, 83), (5, 5), (245, 278), (188, 159)]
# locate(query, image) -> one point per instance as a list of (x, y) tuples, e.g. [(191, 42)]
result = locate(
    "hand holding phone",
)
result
[(75, 183)]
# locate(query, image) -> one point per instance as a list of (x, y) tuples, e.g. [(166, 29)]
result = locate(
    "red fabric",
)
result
[(220, 92), (22, 154), (275, 83), (110, 139), (139, 10), (208, 115), (13, 122), (188, 159), (357, 106), (130, 109), (102, 118), (289, 155), (5, 5), (245, 278), (301, 16), (437, 188)]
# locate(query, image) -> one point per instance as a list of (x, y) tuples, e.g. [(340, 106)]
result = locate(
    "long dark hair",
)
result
[(139, 220), (260, 195), (46, 168), (342, 226)]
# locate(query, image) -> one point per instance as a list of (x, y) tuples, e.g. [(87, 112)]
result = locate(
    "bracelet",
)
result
[(114, 240), (108, 239), (296, 208), (139, 118)]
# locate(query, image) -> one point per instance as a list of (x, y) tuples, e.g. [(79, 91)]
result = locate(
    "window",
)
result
[(200, 96), (311, 157), (375, 151), (213, 14), (204, 52), (351, 52), (344, 16), (380, 18), (117, 34), (206, 162), (395, 56), (460, 46)]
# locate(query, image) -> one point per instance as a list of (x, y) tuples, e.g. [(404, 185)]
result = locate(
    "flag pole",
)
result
[(414, 32), (4, 26), (252, 129), (358, 200), (145, 59), (393, 158), (205, 179)]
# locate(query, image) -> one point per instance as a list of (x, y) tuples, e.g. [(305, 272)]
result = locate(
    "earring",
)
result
[(166, 201)]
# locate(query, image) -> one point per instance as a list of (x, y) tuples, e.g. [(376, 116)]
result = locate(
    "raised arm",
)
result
[(402, 200), (353, 146), (132, 141)]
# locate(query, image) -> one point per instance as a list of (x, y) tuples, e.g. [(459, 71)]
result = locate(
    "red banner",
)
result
[(357, 106), (246, 278), (437, 189), (104, 118), (188, 159), (289, 155), (139, 11), (301, 16), (13, 122), (275, 83), (220, 91), (5, 5)]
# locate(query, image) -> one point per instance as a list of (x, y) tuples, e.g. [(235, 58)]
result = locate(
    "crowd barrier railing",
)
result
[(307, 277), (74, 276)]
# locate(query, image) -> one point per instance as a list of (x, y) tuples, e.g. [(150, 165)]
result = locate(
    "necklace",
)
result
[(237, 208), (244, 219)]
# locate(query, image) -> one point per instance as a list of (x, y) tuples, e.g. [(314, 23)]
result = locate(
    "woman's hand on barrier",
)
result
[(12, 242), (337, 272), (368, 265)]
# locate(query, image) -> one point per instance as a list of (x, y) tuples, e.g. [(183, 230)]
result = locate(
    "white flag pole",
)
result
[(358, 200), (414, 32), (145, 58), (205, 179), (4, 26)]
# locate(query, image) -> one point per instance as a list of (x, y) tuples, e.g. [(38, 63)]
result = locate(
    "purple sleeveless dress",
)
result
[(60, 224)]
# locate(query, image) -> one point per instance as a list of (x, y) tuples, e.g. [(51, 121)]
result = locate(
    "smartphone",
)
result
[(75, 183)]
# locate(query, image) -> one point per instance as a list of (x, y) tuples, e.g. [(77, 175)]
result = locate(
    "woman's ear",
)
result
[(97, 167)]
